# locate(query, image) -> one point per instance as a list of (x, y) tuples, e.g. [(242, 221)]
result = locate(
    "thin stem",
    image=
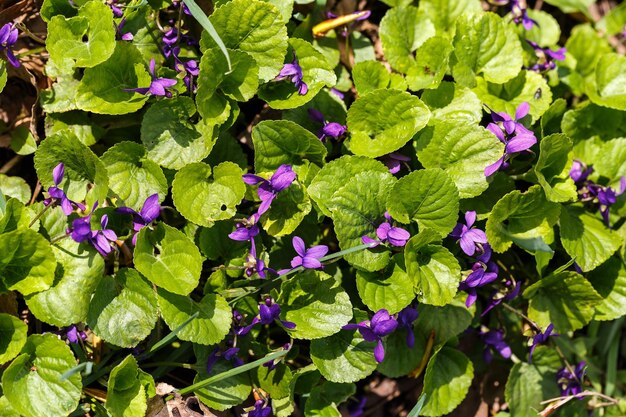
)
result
[(39, 215), (56, 239), (174, 364), (31, 52), (38, 188), (522, 315), (584, 394), (30, 34), (10, 164)]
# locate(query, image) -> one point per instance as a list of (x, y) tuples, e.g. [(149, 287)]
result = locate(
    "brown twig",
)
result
[(10, 164)]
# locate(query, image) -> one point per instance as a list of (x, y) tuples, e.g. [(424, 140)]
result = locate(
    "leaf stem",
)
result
[(522, 315), (39, 215)]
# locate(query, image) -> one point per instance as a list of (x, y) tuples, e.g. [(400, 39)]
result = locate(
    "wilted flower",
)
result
[(8, 38), (494, 342), (99, 239), (381, 324), (571, 383), (253, 263), (546, 57), (148, 213), (395, 236), (57, 195), (471, 239), (332, 129), (267, 191), (519, 10), (158, 86), (540, 338), (294, 73)]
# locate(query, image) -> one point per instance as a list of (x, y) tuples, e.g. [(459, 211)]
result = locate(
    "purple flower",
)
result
[(246, 229), (480, 276), (271, 365), (494, 342), (254, 264), (177, 3), (511, 291), (470, 238), (261, 409), (579, 171), (73, 334), (381, 324), (329, 129), (99, 239), (190, 68), (546, 57), (269, 311), (395, 236), (119, 35), (57, 195), (230, 354), (571, 383), (606, 197), (406, 317), (117, 12), (267, 191), (293, 72), (520, 14), (540, 338), (8, 38), (337, 93), (307, 258), (158, 86), (148, 213), (356, 409), (394, 161)]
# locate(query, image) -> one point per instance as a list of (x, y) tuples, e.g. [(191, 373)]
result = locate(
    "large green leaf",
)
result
[(462, 151), (614, 167), (566, 300), (78, 271), (123, 310), (316, 303), (444, 13), (82, 167), (522, 218), (172, 140), (609, 280), (317, 73), (101, 90), (132, 176), (546, 32), (527, 386), (32, 383), (278, 142), (85, 40), (553, 166), (428, 197), (26, 262), (15, 187), (168, 258), (586, 238), (325, 398), (225, 393), (255, 27), (445, 321), (275, 382), (446, 382), (382, 121), (13, 333), (209, 327), (204, 197), (487, 45), (400, 359), (369, 76), (357, 209), (431, 64), (287, 211), (450, 102), (589, 120), (391, 290), (128, 389)]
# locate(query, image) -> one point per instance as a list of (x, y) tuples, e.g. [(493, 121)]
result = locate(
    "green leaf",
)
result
[(62, 96), (214, 247), (225, 393), (609, 280), (369, 76), (462, 151), (85, 40), (613, 22), (572, 6), (586, 46), (287, 211), (278, 142), (204, 21), (26, 262), (275, 382), (212, 323), (123, 310), (101, 90), (22, 140), (82, 167), (565, 299), (13, 333), (585, 238), (32, 382), (254, 27), (204, 197), (334, 175), (486, 45), (614, 167), (402, 31), (431, 64), (527, 87), (382, 121), (608, 87), (392, 290), (51, 8), (428, 197), (553, 166), (400, 359), (589, 120), (518, 217), (126, 394), (132, 176), (527, 386), (357, 209), (325, 398), (444, 13), (547, 32), (78, 122), (6, 410), (3, 75), (317, 73), (446, 382), (344, 356), (15, 216), (15, 187), (446, 321), (168, 258), (77, 274), (451, 102), (316, 303)]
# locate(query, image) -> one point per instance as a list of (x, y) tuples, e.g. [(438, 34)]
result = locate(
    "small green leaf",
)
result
[(22, 140), (51, 8), (566, 300), (586, 238), (15, 187), (325, 398), (225, 393), (126, 391), (400, 359), (553, 166), (80, 123), (450, 102), (6, 410), (446, 382), (608, 87), (168, 258), (369, 76), (15, 216), (123, 310), (278, 142), (13, 333), (287, 211), (3, 75), (609, 280), (316, 303), (589, 120), (214, 247), (212, 323), (32, 381), (275, 382), (444, 13), (428, 197), (382, 121), (586, 46), (431, 64), (204, 197), (391, 290), (446, 321), (527, 386), (546, 32)]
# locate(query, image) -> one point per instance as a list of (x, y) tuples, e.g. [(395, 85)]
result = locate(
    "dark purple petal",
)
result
[(316, 115), (298, 245), (493, 168), (310, 263), (241, 234), (152, 68), (467, 244), (57, 173), (520, 143), (383, 230), (150, 209), (379, 351), (317, 251), (252, 179), (522, 110), (380, 316), (496, 130), (282, 178), (288, 324), (334, 129)]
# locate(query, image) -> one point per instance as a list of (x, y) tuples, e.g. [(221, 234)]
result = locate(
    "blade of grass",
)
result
[(418, 407), (87, 366), (202, 18), (173, 334)]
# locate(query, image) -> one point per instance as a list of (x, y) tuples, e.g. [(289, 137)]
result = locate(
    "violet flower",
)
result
[(494, 342), (246, 229), (158, 86), (269, 311), (356, 409), (261, 409), (541, 338), (254, 264), (519, 10), (57, 195), (546, 57), (386, 233), (606, 197), (271, 365), (511, 291), (148, 213), (73, 334), (293, 72), (307, 258), (170, 39), (8, 38), (394, 161), (119, 35), (329, 129), (338, 93), (381, 324), (99, 239), (571, 383), (406, 317), (117, 12), (267, 191), (190, 68), (470, 238), (480, 276), (580, 172), (230, 354), (177, 3)]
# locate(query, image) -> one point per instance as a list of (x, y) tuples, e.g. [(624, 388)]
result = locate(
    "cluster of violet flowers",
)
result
[(387, 233), (8, 38)]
